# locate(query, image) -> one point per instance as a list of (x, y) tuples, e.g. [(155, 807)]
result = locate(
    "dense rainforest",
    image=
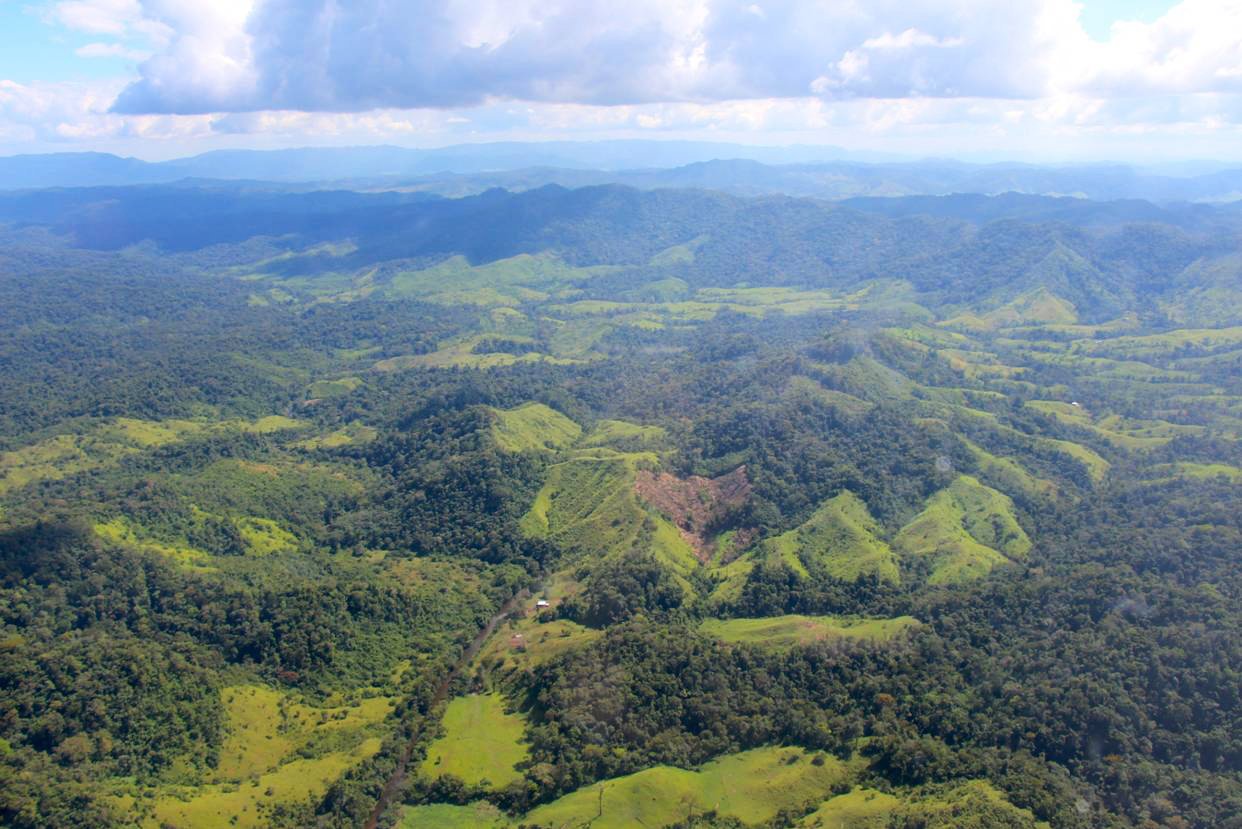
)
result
[(609, 507)]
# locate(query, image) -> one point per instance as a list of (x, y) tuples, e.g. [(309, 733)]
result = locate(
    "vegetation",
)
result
[(792, 631), (604, 506), (533, 426), (481, 743)]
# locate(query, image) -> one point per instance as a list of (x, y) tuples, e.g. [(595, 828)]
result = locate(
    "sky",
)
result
[(1143, 81)]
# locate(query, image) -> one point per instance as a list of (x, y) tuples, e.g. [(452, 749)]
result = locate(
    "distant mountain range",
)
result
[(817, 172)]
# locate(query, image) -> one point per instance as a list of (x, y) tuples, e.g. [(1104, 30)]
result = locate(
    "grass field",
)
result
[(751, 786), (460, 353), (504, 282), (525, 641), (1097, 467), (1148, 346), (1039, 306), (481, 815), (239, 487), (119, 530), (783, 632), (348, 435), (105, 442), (841, 538), (860, 808), (1008, 475), (1124, 433), (974, 804), (806, 388), (243, 805), (333, 388), (276, 749), (588, 506), (263, 536), (623, 434), (732, 578), (966, 529), (529, 643), (266, 727), (1198, 471), (481, 742), (532, 427)]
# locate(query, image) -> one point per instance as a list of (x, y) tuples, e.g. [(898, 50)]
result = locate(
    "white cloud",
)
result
[(426, 70), (103, 17), (1195, 47), (110, 50), (328, 55)]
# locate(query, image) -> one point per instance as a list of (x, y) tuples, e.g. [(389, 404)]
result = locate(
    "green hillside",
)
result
[(840, 538), (532, 426), (790, 631), (965, 530), (752, 786), (588, 507)]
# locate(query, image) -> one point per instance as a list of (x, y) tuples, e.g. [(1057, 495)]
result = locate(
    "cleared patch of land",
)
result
[(782, 632), (966, 529), (974, 804), (842, 539), (532, 427), (481, 742), (751, 786), (694, 504), (276, 749), (481, 815), (589, 507)]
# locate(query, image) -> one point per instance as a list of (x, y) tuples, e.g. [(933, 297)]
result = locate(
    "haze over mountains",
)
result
[(819, 172)]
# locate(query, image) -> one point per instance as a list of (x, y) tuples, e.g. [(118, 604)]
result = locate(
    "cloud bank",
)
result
[(337, 56), (916, 76)]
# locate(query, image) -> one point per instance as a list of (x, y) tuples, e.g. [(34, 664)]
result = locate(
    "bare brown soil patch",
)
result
[(696, 505)]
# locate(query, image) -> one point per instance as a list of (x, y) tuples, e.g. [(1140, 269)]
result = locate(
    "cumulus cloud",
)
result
[(1194, 48), (110, 50), (328, 55), (334, 56), (376, 70)]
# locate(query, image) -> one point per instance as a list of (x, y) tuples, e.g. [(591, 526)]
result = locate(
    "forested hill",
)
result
[(1105, 258), (905, 513)]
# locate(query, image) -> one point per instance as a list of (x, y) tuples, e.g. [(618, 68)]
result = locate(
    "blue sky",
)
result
[(38, 50), (1143, 80), (1098, 16)]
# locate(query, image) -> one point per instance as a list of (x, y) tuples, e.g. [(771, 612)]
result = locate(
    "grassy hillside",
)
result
[(965, 530), (532, 426), (794, 630), (277, 750), (623, 434), (842, 539), (751, 786), (588, 507), (972, 805)]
